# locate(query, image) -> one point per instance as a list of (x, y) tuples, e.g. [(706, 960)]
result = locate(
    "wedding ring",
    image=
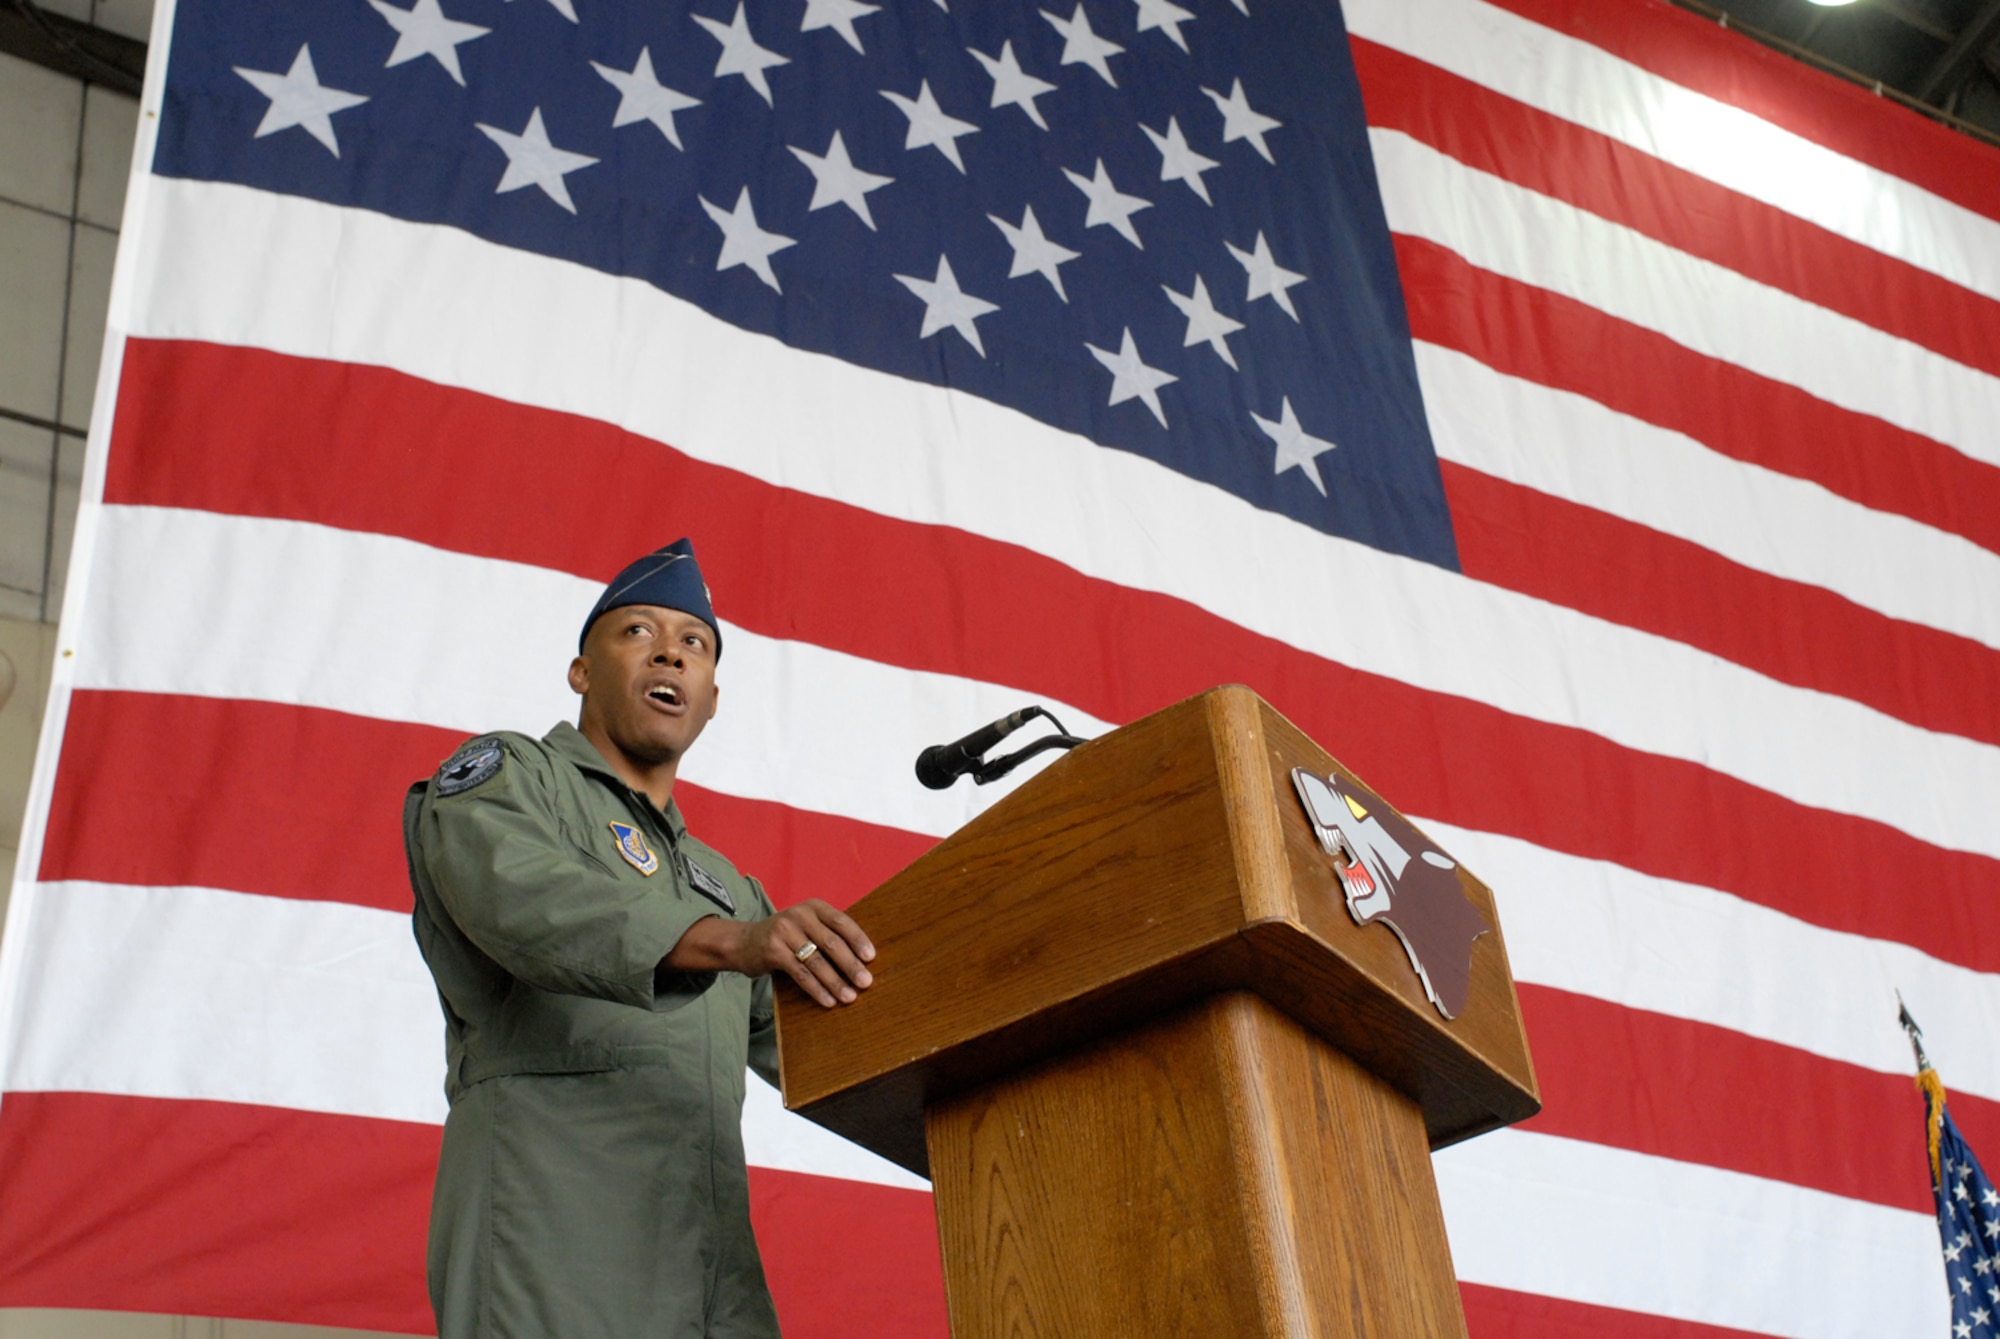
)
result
[(806, 950)]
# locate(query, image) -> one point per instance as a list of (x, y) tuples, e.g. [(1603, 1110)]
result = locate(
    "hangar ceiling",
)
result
[(1940, 57)]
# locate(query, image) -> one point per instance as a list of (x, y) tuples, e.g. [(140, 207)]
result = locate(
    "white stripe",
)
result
[(1594, 928), (208, 605), (773, 1137), (545, 332), (1592, 88), (1571, 447), (170, 626), (228, 997), (199, 994), (324, 1007), (1619, 1229), (1709, 308)]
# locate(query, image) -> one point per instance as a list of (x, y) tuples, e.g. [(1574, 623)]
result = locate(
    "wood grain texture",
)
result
[(1153, 867), (1219, 1171)]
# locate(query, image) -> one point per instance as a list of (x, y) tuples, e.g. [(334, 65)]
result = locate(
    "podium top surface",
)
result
[(1166, 861)]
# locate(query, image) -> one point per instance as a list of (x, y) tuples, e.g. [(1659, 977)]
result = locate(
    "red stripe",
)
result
[(1701, 55), (219, 785), (847, 1259), (1552, 340), (217, 1209), (1495, 1313), (1494, 133), (221, 781), (1609, 1074), (526, 485), (1698, 1093), (1794, 632), (212, 1209)]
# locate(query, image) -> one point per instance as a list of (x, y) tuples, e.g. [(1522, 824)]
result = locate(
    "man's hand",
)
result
[(832, 973)]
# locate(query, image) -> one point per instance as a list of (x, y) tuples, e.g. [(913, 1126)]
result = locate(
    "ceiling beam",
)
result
[(1964, 52), (78, 50)]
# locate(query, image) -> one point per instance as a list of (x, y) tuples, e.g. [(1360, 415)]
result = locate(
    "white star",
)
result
[(1166, 16), (1953, 1251), (562, 7), (1206, 325), (740, 52), (837, 181), (1268, 279), (533, 161), (299, 99), (1034, 253), (930, 126), (1962, 1330), (1243, 6), (1081, 46), (946, 304), (1991, 1227), (1990, 1198), (1177, 161), (1960, 1192), (423, 30), (743, 242), (642, 97), (838, 15), (1981, 1316), (1107, 206), (1239, 122), (1982, 1265), (1295, 445), (1012, 87), (1131, 379), (1993, 1295)]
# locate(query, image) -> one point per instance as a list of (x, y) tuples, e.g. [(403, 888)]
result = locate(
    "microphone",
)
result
[(941, 764)]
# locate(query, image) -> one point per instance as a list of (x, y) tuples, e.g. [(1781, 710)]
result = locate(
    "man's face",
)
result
[(647, 676)]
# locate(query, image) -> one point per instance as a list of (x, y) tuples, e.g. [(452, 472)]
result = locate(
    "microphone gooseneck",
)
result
[(942, 764)]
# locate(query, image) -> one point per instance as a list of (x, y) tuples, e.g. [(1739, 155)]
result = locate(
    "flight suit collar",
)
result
[(568, 741)]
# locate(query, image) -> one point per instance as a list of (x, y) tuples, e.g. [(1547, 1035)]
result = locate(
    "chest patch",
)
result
[(475, 764), (709, 886), (632, 846)]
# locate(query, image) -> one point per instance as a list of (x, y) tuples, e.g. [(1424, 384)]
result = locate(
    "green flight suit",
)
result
[(592, 1182)]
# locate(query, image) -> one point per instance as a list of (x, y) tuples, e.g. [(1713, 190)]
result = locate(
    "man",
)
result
[(605, 979)]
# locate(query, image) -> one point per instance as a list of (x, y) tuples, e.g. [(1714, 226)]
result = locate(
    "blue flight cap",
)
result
[(668, 577)]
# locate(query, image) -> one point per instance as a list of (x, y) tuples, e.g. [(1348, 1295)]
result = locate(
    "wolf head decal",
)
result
[(1394, 874)]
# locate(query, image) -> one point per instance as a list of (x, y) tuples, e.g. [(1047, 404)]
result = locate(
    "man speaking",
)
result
[(605, 979)]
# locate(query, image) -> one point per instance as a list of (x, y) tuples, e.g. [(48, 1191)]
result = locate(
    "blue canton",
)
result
[(1155, 225)]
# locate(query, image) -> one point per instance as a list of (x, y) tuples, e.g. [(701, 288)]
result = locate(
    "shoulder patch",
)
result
[(632, 846), (473, 765), (708, 885)]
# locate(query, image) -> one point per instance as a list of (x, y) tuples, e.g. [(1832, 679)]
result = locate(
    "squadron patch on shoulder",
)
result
[(475, 764), (632, 846), (709, 886)]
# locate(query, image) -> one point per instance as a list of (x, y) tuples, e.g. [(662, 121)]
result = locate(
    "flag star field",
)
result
[(837, 150)]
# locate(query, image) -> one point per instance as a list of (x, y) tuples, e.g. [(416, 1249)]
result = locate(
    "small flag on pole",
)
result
[(1968, 1208)]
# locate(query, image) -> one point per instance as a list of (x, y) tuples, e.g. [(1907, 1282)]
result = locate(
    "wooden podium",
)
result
[(1161, 1081)]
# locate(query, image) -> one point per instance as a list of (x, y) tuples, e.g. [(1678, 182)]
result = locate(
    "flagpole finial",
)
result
[(1916, 1033)]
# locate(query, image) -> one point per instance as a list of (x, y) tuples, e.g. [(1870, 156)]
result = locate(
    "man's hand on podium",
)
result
[(821, 948)]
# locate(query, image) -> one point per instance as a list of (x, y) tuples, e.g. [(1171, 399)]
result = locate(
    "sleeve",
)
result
[(535, 903), (764, 1010)]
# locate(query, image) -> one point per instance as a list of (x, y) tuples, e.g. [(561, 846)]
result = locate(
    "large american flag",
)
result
[(1578, 419)]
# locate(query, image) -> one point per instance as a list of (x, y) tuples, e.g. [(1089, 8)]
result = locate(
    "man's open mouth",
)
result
[(666, 693)]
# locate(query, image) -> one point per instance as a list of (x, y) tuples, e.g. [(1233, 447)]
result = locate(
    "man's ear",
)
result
[(714, 700), (579, 676)]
